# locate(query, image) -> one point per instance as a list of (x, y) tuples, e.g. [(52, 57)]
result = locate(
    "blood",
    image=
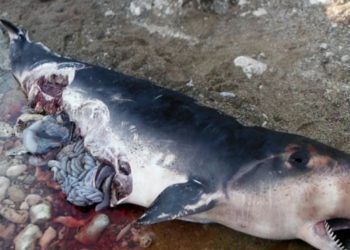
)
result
[(52, 86), (67, 218), (73, 218), (42, 105)]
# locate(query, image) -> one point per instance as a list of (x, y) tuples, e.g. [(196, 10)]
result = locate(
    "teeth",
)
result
[(333, 236)]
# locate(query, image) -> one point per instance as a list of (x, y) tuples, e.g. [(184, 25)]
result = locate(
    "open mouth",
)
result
[(338, 231)]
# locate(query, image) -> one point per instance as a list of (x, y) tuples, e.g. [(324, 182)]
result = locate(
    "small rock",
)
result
[(6, 130), (250, 66), (48, 236), (59, 8), (91, 232), (242, 2), (26, 239), (40, 213), (24, 206), (259, 12), (28, 179), (62, 232), (4, 185), (33, 199), (7, 231), (227, 94), (16, 170), (320, 1), (246, 13), (109, 13), (17, 151), (4, 165), (18, 217), (16, 194), (345, 58), (49, 198), (145, 240), (9, 203), (220, 6), (323, 46), (329, 54), (262, 55), (190, 83), (134, 9)]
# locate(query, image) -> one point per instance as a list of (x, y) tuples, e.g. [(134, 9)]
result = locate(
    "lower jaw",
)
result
[(336, 231)]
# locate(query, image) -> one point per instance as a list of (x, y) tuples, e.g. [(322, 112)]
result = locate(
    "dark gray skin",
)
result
[(213, 169)]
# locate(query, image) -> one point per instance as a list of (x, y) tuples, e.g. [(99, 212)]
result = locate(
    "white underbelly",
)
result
[(150, 165)]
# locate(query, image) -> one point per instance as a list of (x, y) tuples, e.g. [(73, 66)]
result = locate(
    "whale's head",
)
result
[(292, 186)]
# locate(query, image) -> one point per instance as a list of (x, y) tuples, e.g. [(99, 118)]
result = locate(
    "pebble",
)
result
[(259, 12), (24, 206), (33, 199), (227, 94), (18, 217), (134, 9), (4, 165), (49, 235), (345, 58), (6, 130), (91, 232), (4, 185), (190, 83), (16, 151), (40, 213), (145, 240), (246, 13), (109, 13), (323, 46), (28, 179), (16, 170), (16, 194), (26, 239), (329, 54), (7, 231), (242, 2), (320, 1), (220, 6), (62, 232), (250, 66), (59, 9), (9, 203)]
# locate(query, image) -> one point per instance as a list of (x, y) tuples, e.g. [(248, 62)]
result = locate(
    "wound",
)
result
[(54, 85), (48, 99)]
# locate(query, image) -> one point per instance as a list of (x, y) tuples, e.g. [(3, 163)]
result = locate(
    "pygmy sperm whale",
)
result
[(181, 160)]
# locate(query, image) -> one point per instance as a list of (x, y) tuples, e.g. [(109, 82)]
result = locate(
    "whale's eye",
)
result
[(299, 158)]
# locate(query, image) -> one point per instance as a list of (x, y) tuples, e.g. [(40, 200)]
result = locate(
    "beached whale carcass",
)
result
[(162, 150)]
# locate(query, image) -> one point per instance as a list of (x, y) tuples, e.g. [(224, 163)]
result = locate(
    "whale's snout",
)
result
[(14, 31)]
